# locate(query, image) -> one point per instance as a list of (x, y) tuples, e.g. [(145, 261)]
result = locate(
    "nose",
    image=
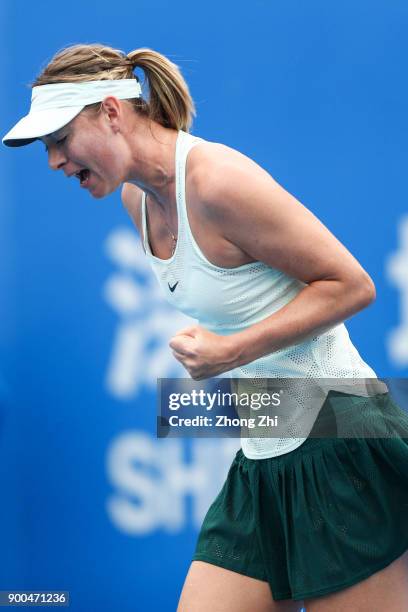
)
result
[(56, 158)]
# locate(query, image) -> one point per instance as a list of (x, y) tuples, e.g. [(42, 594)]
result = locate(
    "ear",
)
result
[(111, 108)]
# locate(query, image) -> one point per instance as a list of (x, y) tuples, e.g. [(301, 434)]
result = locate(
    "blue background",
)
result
[(314, 92)]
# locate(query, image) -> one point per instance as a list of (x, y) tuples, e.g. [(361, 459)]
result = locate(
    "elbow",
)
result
[(370, 290), (364, 291)]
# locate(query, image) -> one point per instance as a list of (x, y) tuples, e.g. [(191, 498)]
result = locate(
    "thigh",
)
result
[(209, 587), (387, 590)]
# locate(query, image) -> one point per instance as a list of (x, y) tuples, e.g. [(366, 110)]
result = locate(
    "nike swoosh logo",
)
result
[(172, 288)]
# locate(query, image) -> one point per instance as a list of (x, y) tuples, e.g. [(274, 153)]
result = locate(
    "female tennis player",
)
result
[(319, 522)]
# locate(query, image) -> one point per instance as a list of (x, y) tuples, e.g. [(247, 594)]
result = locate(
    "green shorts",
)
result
[(320, 518)]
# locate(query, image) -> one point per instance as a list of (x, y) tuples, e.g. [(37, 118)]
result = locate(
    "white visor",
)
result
[(56, 104)]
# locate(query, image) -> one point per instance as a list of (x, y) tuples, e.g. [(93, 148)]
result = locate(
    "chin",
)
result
[(98, 196), (102, 189), (98, 193)]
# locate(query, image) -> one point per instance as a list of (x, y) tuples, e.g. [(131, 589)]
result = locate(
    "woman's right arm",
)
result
[(132, 200)]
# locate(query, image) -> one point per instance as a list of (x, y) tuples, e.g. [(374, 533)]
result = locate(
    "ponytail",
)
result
[(170, 102)]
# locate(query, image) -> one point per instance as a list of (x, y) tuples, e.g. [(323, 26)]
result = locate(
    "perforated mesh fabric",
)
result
[(227, 300)]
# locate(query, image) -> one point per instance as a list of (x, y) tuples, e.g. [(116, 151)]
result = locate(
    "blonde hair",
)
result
[(169, 100)]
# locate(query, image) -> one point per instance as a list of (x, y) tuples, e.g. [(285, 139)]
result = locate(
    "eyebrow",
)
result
[(53, 136)]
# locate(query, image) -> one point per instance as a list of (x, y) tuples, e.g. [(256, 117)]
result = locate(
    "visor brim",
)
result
[(38, 124)]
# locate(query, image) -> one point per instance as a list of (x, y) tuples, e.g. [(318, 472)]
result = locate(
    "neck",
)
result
[(152, 165)]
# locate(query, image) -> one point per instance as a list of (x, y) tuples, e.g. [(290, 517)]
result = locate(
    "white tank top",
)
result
[(227, 300)]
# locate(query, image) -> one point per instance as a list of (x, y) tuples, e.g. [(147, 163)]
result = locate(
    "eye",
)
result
[(58, 141)]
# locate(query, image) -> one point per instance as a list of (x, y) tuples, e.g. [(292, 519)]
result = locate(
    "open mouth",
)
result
[(83, 176)]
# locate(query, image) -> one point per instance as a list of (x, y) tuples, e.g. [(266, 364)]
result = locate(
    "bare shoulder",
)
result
[(132, 200), (215, 153), (217, 172)]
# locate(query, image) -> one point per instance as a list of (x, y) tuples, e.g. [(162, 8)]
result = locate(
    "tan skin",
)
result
[(238, 213)]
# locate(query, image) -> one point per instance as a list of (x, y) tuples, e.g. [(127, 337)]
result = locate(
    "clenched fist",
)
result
[(203, 353)]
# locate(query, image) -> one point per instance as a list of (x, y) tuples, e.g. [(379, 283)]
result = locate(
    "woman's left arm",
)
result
[(269, 224)]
